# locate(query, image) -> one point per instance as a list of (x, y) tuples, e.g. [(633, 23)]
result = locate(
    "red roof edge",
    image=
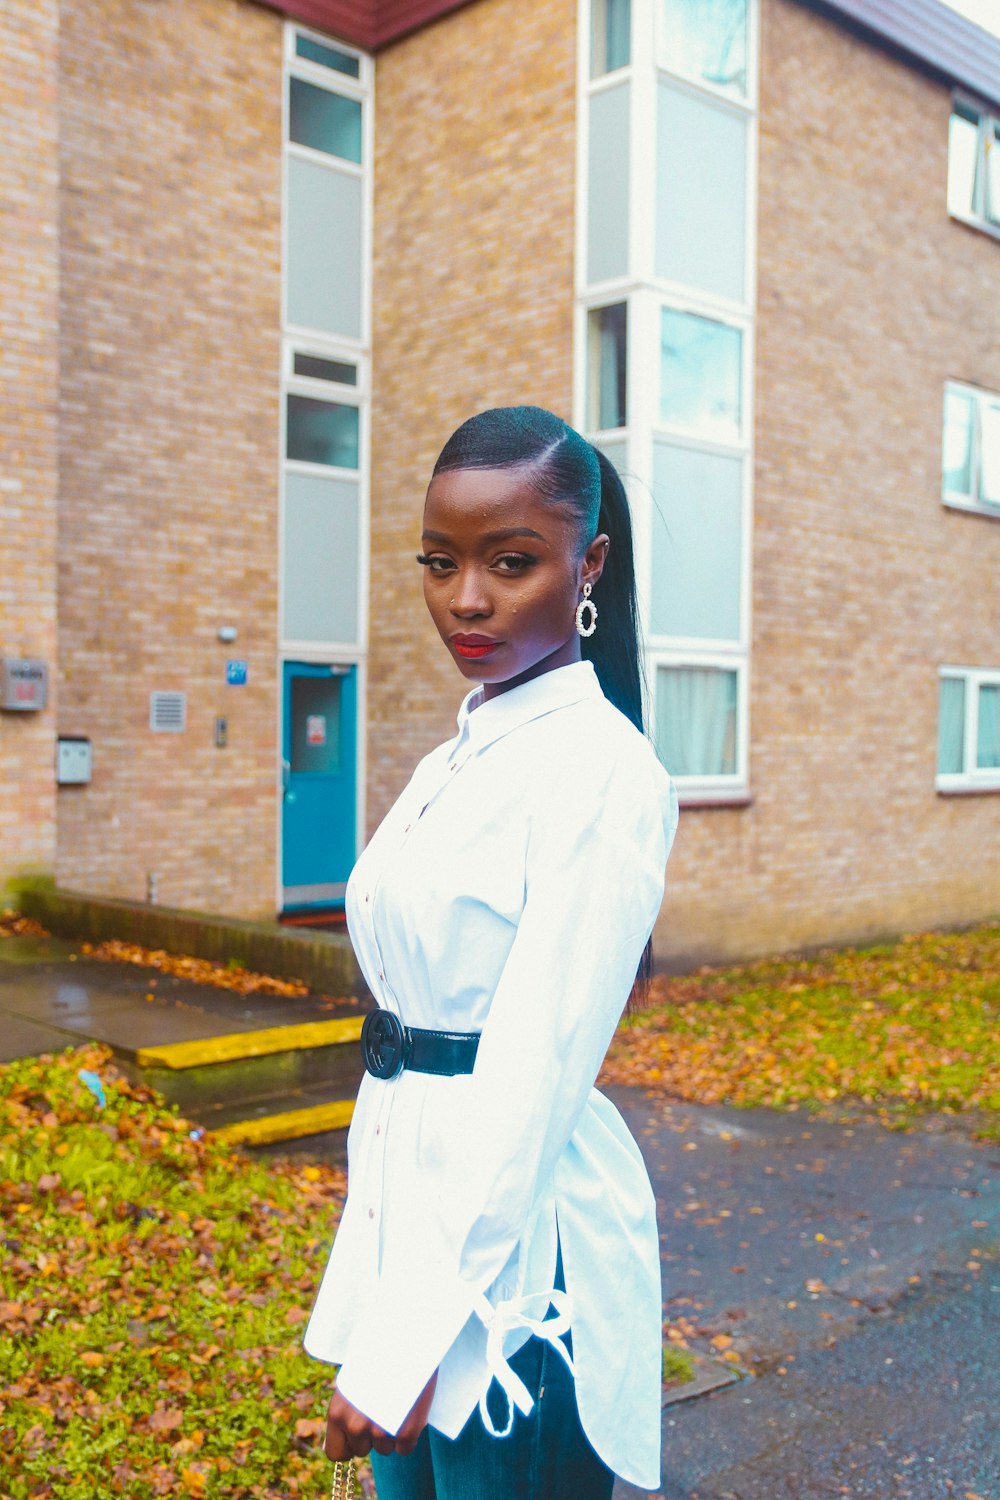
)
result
[(369, 24)]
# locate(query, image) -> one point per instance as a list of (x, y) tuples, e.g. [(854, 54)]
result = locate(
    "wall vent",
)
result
[(168, 712)]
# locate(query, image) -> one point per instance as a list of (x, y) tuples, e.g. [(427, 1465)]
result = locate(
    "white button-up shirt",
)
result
[(510, 890)]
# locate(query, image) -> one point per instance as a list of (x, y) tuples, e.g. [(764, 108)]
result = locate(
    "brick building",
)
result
[(257, 262)]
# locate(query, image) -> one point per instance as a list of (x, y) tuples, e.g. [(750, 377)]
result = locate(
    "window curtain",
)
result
[(696, 721)]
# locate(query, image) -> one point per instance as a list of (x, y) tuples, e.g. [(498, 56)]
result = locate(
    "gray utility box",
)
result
[(73, 760), (24, 683)]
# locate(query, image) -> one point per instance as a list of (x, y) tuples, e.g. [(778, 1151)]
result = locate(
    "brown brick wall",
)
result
[(170, 321), (473, 299), (864, 584), (29, 271)]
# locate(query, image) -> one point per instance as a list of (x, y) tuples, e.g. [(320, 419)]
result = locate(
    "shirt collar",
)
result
[(484, 720)]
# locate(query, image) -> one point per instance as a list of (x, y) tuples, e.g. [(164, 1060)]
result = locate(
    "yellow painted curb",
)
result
[(241, 1044), (288, 1126)]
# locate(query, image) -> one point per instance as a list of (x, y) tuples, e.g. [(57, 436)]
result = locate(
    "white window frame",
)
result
[(644, 294), (971, 778), (989, 126), (360, 89), (296, 338), (954, 498)]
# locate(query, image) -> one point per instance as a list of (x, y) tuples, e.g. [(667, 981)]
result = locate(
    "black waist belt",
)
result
[(388, 1047)]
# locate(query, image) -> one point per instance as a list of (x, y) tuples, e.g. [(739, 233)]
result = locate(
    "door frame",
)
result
[(319, 657)]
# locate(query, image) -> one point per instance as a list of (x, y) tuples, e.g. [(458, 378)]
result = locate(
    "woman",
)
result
[(493, 1294)]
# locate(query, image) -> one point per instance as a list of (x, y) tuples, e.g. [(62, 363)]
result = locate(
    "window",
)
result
[(974, 165), (706, 41), (606, 375), (325, 358), (968, 729), (700, 375), (970, 449), (609, 36)]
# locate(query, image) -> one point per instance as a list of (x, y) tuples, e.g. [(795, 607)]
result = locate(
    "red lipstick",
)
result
[(474, 645)]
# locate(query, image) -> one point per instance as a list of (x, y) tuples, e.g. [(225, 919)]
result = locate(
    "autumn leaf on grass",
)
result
[(310, 1427), (166, 1420)]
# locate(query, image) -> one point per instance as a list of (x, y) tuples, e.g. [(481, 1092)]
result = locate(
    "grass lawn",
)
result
[(903, 1028), (153, 1289)]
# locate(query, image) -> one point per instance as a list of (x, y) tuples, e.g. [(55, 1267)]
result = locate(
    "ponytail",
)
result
[(614, 646)]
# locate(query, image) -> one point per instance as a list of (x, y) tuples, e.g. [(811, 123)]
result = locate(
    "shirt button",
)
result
[(378, 1130), (453, 766), (366, 898), (371, 1213), (380, 974)]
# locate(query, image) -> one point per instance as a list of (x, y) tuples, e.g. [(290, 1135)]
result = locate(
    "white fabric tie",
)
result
[(503, 1319)]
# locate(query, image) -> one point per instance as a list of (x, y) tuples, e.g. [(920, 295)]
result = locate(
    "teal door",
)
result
[(319, 778)]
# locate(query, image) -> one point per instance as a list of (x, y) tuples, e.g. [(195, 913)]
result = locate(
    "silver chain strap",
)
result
[(343, 1480)]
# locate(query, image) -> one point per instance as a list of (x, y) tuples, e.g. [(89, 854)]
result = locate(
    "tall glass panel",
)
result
[(607, 184), (696, 722), (324, 120), (321, 432), (951, 726), (988, 738), (963, 151), (706, 40), (320, 559), (701, 195), (989, 452), (324, 248), (606, 368), (956, 446), (610, 23), (697, 523), (700, 375)]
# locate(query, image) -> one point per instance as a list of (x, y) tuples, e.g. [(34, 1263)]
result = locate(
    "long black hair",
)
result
[(563, 467)]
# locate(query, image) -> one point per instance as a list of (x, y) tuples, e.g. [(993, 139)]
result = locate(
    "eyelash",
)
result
[(524, 562)]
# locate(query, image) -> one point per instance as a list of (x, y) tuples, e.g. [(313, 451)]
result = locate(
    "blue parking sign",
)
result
[(236, 673)]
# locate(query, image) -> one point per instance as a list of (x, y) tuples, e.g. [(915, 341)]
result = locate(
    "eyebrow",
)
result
[(504, 535)]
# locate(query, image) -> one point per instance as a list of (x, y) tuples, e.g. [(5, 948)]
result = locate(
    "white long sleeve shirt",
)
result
[(510, 890)]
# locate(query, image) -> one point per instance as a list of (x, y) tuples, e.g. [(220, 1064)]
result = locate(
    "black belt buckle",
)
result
[(383, 1043)]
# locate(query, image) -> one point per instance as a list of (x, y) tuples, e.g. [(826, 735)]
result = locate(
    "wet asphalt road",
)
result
[(857, 1272)]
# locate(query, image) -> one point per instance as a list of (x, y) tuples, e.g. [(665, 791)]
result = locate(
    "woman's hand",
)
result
[(350, 1434)]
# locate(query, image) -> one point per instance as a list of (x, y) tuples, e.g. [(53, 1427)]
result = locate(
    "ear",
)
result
[(593, 560)]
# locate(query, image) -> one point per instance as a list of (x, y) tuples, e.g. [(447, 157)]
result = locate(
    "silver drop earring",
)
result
[(586, 603)]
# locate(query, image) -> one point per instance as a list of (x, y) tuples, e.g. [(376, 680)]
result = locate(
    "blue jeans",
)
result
[(545, 1456)]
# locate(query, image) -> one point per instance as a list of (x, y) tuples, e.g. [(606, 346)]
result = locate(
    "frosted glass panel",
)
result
[(324, 248), (324, 120), (700, 375), (606, 351), (956, 449), (607, 179), (696, 721), (951, 725), (695, 588), (320, 559), (706, 40), (321, 432), (700, 194), (988, 738)]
